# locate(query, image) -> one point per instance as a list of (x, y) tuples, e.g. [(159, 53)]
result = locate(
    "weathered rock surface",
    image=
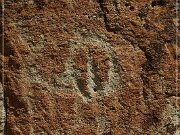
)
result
[(90, 67)]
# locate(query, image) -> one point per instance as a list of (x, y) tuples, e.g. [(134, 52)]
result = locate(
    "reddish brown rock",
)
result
[(96, 67)]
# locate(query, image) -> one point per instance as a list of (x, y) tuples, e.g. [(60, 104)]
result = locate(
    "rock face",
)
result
[(90, 67)]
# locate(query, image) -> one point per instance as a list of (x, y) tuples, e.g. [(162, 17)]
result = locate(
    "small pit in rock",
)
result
[(158, 3)]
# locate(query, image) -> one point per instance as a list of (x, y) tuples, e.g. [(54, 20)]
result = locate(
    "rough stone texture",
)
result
[(2, 109), (90, 67), (2, 114)]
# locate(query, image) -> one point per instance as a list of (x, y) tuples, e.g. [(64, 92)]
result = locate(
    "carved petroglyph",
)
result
[(93, 83)]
